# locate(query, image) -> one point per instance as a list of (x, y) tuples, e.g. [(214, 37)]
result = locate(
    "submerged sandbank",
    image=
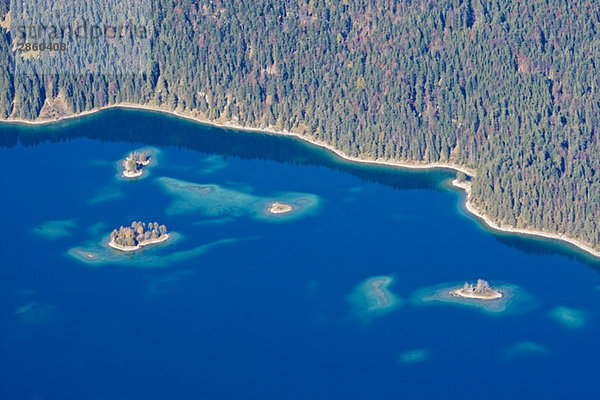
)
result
[(523, 349), (166, 283), (373, 297), (55, 229), (414, 356), (105, 194), (218, 201), (569, 317), (98, 253), (35, 313)]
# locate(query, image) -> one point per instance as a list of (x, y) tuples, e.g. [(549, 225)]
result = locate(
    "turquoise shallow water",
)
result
[(245, 307)]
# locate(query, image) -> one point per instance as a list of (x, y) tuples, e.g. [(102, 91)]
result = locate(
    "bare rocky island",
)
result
[(134, 163), (279, 208), (482, 291), (138, 235)]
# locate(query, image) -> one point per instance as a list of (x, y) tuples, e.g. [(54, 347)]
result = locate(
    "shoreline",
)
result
[(126, 174), (466, 186), (277, 208), (128, 249), (393, 163), (236, 126), (460, 293)]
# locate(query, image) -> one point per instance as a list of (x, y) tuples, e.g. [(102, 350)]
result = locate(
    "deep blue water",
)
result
[(266, 316)]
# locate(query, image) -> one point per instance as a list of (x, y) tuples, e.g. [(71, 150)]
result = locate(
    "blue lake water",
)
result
[(267, 310)]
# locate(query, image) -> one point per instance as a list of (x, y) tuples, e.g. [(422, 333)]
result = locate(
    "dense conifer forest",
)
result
[(507, 88)]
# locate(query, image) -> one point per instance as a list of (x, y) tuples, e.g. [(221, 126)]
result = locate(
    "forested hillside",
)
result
[(505, 87)]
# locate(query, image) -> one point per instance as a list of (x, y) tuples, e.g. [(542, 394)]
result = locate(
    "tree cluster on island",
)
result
[(481, 291), (482, 287), (138, 234), (135, 161)]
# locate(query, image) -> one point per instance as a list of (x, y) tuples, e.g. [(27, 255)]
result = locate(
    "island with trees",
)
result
[(134, 163), (501, 299), (481, 291), (138, 235)]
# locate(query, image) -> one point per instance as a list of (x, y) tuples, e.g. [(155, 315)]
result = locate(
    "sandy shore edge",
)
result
[(139, 246), (233, 125), (466, 186), (402, 164), (126, 174), (279, 208), (460, 293)]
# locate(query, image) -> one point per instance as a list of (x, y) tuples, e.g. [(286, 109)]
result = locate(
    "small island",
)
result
[(482, 291), (138, 235), (134, 163), (279, 208), (503, 299)]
